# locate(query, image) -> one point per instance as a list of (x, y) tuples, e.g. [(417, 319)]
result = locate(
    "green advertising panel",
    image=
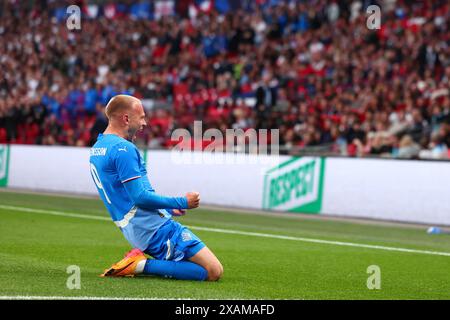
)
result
[(296, 185), (4, 165)]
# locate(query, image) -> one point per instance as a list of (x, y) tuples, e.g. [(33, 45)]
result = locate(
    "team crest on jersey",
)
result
[(186, 236)]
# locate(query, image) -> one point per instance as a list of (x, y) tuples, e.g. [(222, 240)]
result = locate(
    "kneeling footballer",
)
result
[(143, 216)]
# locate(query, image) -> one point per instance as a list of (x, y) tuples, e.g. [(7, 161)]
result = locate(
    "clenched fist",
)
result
[(193, 199)]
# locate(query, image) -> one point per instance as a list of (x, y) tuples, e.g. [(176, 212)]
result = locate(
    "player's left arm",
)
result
[(146, 199), (126, 161), (172, 212)]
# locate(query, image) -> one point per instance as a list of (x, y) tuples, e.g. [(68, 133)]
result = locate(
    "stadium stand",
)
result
[(311, 69)]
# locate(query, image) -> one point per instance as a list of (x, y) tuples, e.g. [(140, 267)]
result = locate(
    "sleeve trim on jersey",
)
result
[(129, 179)]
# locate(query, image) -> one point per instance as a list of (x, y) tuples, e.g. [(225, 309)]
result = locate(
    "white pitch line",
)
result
[(80, 298), (244, 233), (55, 213)]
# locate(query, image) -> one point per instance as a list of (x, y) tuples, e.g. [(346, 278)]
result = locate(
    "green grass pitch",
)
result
[(36, 247)]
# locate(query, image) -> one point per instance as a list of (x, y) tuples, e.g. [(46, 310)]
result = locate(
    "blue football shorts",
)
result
[(175, 242)]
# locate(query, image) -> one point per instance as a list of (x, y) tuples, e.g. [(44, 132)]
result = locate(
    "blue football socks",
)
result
[(182, 270)]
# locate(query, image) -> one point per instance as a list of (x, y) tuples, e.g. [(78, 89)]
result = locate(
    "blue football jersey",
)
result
[(113, 162)]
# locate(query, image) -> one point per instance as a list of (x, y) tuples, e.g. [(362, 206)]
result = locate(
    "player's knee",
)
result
[(215, 271)]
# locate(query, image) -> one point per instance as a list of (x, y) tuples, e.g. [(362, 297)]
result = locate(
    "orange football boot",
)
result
[(127, 266)]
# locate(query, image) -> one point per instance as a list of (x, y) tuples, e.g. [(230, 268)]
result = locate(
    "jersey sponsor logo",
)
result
[(295, 185), (4, 165), (123, 149), (98, 151)]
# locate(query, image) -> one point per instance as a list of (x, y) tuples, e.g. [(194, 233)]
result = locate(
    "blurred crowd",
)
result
[(312, 69)]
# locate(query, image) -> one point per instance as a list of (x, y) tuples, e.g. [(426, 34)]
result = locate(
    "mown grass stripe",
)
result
[(244, 233)]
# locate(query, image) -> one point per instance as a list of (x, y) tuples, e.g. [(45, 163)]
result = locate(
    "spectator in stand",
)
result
[(408, 149)]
